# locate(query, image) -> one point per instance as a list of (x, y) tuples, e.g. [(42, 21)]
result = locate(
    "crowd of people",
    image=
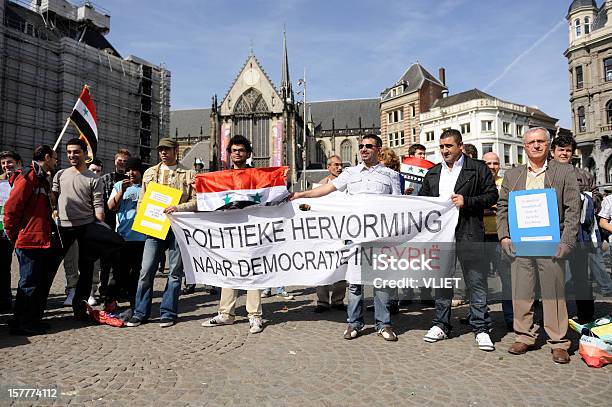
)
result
[(84, 217)]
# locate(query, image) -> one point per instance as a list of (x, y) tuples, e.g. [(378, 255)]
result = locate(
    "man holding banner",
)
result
[(169, 172), (239, 149), (369, 177), (539, 174), (469, 185)]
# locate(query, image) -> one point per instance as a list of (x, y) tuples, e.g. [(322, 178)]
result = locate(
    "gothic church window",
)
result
[(321, 157), (346, 151), (252, 120)]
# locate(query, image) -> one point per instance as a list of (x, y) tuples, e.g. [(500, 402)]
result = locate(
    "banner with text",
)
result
[(318, 241)]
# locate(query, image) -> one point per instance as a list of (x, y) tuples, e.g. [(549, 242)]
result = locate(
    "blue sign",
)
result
[(533, 218)]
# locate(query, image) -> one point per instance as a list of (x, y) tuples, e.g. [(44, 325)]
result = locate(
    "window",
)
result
[(346, 151), (429, 136), (414, 137), (587, 25), (413, 109), (507, 149), (321, 156), (609, 111), (581, 119), (465, 128), (396, 139), (395, 116), (608, 68), (506, 128), (401, 115), (389, 118), (520, 153), (577, 25), (579, 78), (487, 148), (486, 125), (519, 130)]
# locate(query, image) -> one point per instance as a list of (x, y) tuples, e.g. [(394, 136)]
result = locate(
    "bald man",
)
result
[(500, 264)]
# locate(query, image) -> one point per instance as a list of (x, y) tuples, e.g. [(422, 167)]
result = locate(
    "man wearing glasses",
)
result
[(539, 173), (369, 177)]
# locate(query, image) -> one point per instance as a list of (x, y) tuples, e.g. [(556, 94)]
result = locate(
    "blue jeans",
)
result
[(475, 278), (599, 271), (37, 268), (154, 249), (355, 309)]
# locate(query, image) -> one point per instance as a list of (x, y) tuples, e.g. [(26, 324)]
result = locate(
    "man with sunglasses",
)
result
[(369, 177)]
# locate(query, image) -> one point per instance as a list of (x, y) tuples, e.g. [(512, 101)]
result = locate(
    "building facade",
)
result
[(487, 122), (48, 52), (589, 57), (402, 104)]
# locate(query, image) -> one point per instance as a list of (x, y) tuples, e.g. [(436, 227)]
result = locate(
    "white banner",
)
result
[(338, 238)]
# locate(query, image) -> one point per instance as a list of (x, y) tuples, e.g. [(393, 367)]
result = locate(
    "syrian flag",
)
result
[(84, 118), (240, 188), (414, 169)]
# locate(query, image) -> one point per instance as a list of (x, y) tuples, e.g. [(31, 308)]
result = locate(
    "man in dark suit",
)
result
[(540, 173), (470, 186)]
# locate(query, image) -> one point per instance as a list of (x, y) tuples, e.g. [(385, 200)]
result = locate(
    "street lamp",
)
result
[(302, 82)]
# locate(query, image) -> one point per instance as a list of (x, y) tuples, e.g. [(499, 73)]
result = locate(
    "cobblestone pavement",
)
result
[(300, 359)]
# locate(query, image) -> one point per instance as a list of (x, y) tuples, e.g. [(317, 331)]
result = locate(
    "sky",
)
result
[(353, 49)]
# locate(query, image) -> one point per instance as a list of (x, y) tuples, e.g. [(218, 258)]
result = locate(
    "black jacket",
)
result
[(476, 184)]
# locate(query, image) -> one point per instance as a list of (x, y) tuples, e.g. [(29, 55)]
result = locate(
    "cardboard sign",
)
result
[(150, 217)]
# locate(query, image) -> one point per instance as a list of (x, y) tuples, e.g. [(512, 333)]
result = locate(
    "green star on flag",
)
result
[(256, 197), (227, 198)]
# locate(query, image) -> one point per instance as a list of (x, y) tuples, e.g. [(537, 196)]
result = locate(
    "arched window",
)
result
[(252, 120), (346, 151), (321, 156), (587, 25), (609, 169), (581, 119), (609, 111), (577, 25)]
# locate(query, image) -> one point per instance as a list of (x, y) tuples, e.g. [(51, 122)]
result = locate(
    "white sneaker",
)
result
[(92, 301), (256, 324), (285, 295), (435, 334), (69, 297), (484, 342), (219, 320)]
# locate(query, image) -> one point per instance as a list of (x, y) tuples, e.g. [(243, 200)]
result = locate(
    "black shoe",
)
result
[(394, 308), (429, 303), (370, 308), (319, 309), (339, 307), (464, 320), (189, 289), (405, 303), (213, 291)]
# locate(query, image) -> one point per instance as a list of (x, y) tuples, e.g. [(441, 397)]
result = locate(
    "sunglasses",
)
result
[(368, 146)]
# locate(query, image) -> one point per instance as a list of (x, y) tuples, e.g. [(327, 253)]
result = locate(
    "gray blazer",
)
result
[(561, 177)]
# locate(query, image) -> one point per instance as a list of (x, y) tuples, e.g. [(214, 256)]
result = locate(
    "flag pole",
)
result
[(61, 134)]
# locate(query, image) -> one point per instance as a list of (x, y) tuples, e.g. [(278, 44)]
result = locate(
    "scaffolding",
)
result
[(41, 77)]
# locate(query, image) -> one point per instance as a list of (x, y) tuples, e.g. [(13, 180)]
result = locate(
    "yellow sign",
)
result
[(150, 217)]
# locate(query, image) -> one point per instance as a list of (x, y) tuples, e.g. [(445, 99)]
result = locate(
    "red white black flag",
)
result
[(84, 118)]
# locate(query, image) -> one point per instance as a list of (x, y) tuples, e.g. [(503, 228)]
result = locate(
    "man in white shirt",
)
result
[(369, 177)]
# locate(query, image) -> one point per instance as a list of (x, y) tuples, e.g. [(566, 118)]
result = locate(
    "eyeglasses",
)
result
[(533, 142), (368, 146)]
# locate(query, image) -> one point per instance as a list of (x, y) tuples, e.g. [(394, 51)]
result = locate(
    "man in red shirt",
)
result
[(28, 225)]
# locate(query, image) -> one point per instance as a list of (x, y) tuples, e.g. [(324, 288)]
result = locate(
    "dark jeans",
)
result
[(37, 268), (95, 240), (580, 283), (6, 252), (124, 279), (500, 264), (475, 278)]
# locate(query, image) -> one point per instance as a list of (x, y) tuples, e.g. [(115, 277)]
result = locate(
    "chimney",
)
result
[(442, 76)]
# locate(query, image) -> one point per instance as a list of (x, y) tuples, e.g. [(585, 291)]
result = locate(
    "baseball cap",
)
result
[(167, 142)]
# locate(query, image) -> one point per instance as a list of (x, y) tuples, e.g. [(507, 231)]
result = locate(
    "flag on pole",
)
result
[(240, 188), (84, 118), (414, 169)]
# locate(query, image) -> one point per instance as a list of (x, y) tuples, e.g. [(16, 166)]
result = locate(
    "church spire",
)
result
[(286, 90)]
